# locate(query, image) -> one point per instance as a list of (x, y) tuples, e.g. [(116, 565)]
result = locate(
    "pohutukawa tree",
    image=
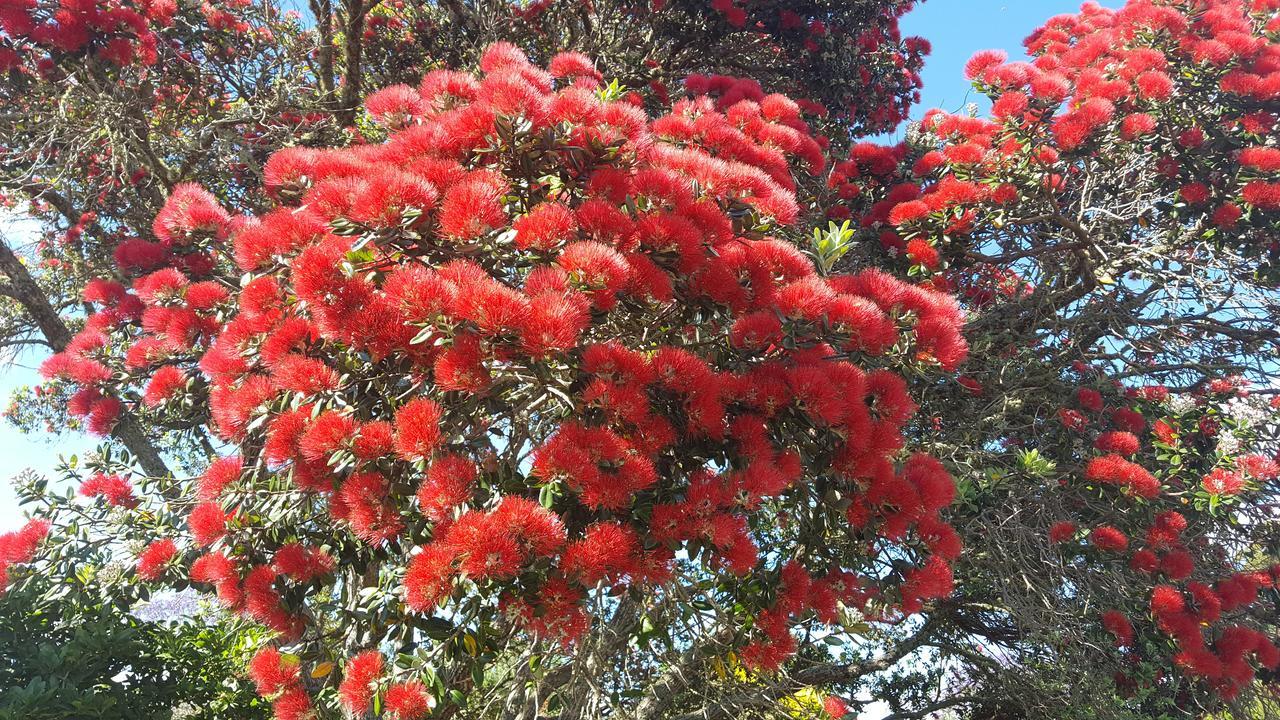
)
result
[(1110, 226), (116, 104), (558, 389), (534, 362)]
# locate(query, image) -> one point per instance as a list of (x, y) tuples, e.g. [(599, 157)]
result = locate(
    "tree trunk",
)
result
[(22, 287), (354, 48)]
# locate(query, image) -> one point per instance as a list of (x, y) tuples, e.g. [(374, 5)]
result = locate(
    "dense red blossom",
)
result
[(1118, 625), (20, 546), (1115, 470), (606, 551), (114, 489), (417, 426), (835, 708), (1222, 482), (427, 337), (407, 701), (1062, 531), (208, 523), (153, 560), (359, 678), (272, 672), (1108, 539)]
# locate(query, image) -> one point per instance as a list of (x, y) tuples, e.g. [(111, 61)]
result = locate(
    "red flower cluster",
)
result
[(155, 558), (1223, 662), (121, 35), (359, 681), (1167, 548), (1118, 624), (799, 594), (1115, 470), (114, 489), (1222, 482), (1114, 81), (19, 547), (279, 678)]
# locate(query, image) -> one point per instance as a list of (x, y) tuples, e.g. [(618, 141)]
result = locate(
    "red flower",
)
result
[(484, 548), (1137, 125), (1154, 85), (304, 375), (165, 383), (601, 466), (368, 508), (1259, 467), (1117, 623), (284, 433), (1177, 564), (1194, 193), (218, 570), (546, 226), (537, 530), (1090, 400), (1128, 420), (1115, 470), (934, 484), (1166, 600), (605, 551), (220, 473), (417, 426), (553, 322), (152, 560), (1262, 159), (374, 440), (982, 62), (1144, 561), (470, 208), (594, 266), (20, 546), (189, 213), (294, 704), (1108, 539), (1117, 441), (407, 701), (835, 708), (359, 680), (1237, 591), (908, 212), (922, 253), (103, 415), (114, 489), (1227, 215), (1222, 482), (208, 523), (213, 567), (301, 563), (461, 366), (572, 65), (271, 672), (449, 483), (429, 577), (395, 105), (1262, 194), (326, 434), (932, 580), (1072, 419)]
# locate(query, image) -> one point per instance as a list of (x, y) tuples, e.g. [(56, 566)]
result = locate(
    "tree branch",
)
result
[(24, 289)]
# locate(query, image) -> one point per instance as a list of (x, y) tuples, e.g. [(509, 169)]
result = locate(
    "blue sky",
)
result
[(956, 28), (959, 28), (18, 451)]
